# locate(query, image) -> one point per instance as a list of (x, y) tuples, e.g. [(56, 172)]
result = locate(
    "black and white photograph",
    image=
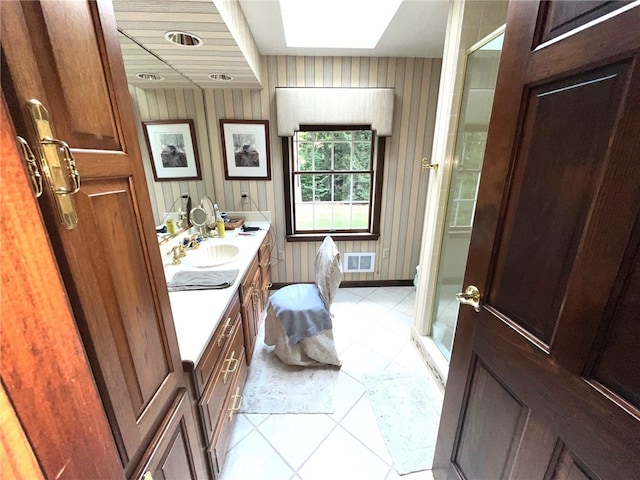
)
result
[(245, 149), (172, 150)]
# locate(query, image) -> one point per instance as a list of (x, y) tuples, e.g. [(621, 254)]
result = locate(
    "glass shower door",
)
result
[(477, 98)]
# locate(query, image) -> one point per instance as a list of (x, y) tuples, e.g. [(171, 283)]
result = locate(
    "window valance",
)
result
[(334, 106)]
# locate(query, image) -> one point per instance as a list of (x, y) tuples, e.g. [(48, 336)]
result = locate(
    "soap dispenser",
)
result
[(219, 221)]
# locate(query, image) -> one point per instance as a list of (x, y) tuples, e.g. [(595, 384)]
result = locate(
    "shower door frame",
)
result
[(430, 261)]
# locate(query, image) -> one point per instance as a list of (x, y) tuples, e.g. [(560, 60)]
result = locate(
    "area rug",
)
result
[(407, 407), (273, 387)]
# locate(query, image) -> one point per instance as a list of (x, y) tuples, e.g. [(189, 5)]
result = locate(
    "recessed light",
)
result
[(153, 77), (220, 77), (183, 39)]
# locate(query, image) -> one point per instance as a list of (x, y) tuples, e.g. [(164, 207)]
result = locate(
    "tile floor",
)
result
[(372, 330)]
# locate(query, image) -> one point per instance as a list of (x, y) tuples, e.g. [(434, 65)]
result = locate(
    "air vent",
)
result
[(183, 39), (359, 262), (220, 77), (152, 77)]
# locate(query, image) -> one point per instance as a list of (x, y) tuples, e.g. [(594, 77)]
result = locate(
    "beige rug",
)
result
[(273, 387), (407, 407)]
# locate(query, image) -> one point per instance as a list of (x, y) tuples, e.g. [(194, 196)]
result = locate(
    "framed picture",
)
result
[(173, 150), (245, 149)]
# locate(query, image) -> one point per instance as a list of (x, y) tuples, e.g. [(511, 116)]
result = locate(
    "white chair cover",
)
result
[(318, 349)]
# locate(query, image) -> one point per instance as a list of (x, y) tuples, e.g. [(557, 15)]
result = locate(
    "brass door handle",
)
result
[(58, 172), (226, 331), (232, 361), (30, 158), (235, 405), (471, 296)]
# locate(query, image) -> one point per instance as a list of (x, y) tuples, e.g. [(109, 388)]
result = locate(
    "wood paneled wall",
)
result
[(415, 81)]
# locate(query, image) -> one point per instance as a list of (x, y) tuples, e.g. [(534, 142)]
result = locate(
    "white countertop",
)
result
[(196, 313)]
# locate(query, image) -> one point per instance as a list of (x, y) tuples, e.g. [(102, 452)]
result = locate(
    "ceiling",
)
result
[(235, 34)]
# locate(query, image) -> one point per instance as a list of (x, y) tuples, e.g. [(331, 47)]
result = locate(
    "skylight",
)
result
[(336, 23)]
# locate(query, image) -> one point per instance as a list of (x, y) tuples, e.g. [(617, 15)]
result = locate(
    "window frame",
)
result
[(375, 203)]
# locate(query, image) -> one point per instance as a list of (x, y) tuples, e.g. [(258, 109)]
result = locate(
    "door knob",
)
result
[(471, 296)]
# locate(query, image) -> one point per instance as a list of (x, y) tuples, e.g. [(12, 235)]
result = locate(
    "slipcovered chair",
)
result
[(298, 319)]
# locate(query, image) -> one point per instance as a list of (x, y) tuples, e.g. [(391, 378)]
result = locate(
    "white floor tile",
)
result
[(384, 341), (407, 305), (361, 423), (342, 457), (296, 437), (423, 475), (389, 297), (397, 322), (241, 428), (360, 291), (358, 361), (256, 418), (347, 393), (253, 458), (346, 296), (409, 358)]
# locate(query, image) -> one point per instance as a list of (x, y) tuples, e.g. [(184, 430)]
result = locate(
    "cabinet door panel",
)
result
[(218, 448), (174, 452)]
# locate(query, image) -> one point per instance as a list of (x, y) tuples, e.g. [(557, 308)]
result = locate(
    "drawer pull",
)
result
[(230, 369), (235, 405), (224, 334)]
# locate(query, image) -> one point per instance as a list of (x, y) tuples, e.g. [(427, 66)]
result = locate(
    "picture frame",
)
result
[(245, 149), (173, 150)]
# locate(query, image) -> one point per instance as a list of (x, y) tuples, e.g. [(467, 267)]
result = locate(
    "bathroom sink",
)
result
[(215, 254)]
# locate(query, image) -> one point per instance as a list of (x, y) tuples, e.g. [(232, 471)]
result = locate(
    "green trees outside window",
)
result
[(333, 180)]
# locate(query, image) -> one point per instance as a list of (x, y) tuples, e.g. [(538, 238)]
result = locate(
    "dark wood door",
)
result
[(544, 380), (66, 54)]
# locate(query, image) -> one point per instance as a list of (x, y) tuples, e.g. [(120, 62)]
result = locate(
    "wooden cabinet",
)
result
[(109, 261), (251, 307), (264, 257), (174, 452), (218, 447), (216, 384)]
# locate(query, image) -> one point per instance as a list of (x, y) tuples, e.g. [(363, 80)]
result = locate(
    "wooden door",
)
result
[(544, 380), (66, 54), (51, 418)]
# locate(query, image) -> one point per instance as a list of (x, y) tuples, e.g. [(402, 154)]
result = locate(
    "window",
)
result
[(464, 188), (335, 175)]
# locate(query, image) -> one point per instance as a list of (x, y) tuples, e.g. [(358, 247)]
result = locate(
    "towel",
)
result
[(301, 311), (201, 280)]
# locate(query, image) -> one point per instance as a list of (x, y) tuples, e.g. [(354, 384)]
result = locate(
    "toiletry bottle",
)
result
[(171, 226), (219, 221)]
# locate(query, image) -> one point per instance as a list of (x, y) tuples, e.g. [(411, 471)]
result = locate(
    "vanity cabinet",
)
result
[(264, 257), (216, 384), (251, 306), (215, 377), (172, 453)]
